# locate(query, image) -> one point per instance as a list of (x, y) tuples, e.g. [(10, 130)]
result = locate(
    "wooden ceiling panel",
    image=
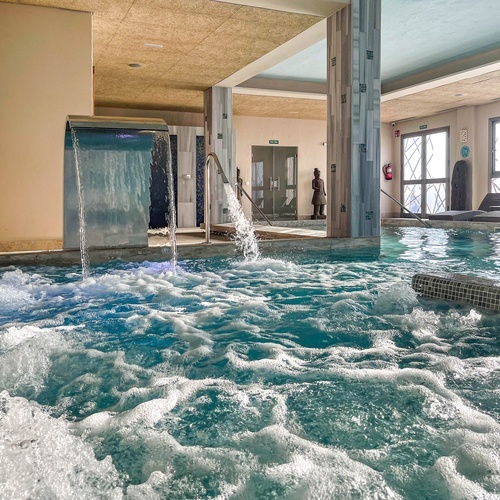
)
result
[(209, 7), (173, 20), (279, 107), (83, 5), (150, 59), (206, 41), (243, 51), (169, 99), (474, 91), (183, 40)]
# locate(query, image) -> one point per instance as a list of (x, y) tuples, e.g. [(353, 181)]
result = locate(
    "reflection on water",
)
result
[(316, 376)]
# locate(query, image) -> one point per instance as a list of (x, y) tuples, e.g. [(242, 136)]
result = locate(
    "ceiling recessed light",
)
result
[(135, 65), (154, 45)]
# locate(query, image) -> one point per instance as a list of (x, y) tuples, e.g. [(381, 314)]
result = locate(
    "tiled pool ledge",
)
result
[(192, 251), (442, 224), (479, 292)]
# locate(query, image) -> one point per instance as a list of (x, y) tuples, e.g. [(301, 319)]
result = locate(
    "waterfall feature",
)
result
[(84, 254), (163, 188), (245, 238), (109, 172)]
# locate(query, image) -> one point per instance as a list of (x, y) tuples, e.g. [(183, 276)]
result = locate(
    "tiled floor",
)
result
[(221, 233)]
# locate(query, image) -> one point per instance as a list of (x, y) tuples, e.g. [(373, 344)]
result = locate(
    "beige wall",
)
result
[(307, 135), (46, 75), (387, 207)]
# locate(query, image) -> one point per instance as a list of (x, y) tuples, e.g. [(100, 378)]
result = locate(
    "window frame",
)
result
[(424, 181), (493, 174)]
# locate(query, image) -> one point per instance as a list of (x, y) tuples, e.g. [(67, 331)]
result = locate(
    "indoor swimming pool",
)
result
[(303, 376)]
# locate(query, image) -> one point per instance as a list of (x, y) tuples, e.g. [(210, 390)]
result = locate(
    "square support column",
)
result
[(221, 140), (353, 131)]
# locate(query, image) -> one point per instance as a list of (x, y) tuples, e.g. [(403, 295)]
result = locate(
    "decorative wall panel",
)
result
[(220, 138), (353, 156)]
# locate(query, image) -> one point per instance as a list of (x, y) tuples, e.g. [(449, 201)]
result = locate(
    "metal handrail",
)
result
[(253, 203), (404, 208), (208, 204)]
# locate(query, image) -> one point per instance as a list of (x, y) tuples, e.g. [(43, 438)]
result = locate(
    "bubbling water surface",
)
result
[(321, 376)]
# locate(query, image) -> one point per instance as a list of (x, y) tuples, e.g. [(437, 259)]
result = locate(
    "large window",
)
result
[(495, 156), (425, 171)]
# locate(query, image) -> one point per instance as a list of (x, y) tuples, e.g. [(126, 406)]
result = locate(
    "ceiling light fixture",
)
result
[(135, 65), (154, 45)]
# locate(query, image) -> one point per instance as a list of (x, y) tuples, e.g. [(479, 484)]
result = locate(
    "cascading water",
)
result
[(245, 237), (162, 158), (172, 222), (118, 180), (84, 256)]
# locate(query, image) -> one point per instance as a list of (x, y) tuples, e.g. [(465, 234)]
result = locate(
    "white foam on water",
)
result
[(476, 455), (40, 458), (396, 298), (459, 487), (278, 361), (441, 402), (308, 470), (26, 356), (245, 238)]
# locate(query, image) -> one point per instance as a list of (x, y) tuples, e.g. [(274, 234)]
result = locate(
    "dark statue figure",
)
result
[(319, 196)]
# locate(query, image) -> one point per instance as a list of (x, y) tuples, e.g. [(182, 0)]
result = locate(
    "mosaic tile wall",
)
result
[(479, 292), (173, 149), (200, 180)]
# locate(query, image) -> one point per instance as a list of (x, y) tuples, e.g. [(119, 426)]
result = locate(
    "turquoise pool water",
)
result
[(313, 376)]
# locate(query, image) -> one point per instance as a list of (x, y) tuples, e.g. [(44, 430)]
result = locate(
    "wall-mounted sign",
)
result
[(464, 151), (274, 141), (422, 127), (463, 135)]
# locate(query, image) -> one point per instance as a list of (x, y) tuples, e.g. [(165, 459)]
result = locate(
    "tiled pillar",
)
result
[(353, 137), (187, 181), (220, 138)]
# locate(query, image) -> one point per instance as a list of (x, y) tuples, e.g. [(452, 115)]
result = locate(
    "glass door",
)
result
[(274, 181), (425, 166)]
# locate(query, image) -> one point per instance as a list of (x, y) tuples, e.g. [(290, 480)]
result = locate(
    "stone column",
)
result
[(220, 139), (353, 136)]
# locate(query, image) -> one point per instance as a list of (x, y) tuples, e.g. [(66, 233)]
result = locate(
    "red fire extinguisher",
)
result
[(387, 169)]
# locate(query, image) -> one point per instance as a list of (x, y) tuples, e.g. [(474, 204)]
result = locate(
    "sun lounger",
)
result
[(487, 217), (490, 200), (456, 215)]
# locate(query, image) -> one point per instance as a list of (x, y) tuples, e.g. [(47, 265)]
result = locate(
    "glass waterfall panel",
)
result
[(412, 158), (115, 182)]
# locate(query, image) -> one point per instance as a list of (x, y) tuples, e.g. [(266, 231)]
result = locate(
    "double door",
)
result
[(274, 181)]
